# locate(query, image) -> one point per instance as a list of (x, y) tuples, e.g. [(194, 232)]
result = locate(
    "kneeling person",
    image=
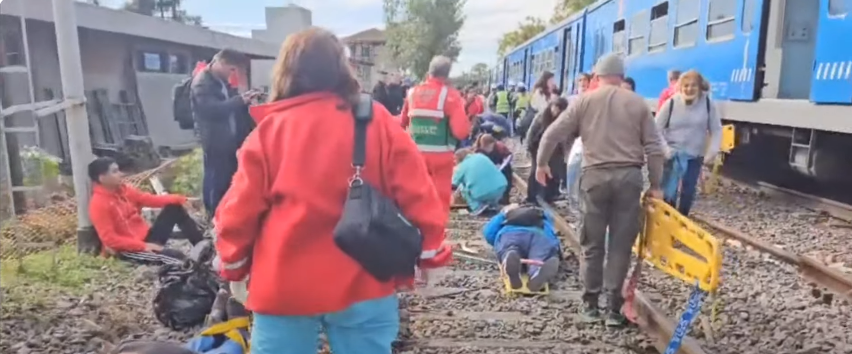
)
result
[(477, 178), (115, 210), (524, 232)]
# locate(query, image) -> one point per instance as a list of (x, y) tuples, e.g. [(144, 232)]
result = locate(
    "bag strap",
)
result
[(671, 107), (363, 114)]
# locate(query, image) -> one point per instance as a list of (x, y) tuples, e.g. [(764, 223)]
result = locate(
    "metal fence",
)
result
[(47, 228)]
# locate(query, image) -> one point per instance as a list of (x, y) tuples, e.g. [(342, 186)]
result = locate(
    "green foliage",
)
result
[(479, 74), (39, 166), (167, 9), (532, 26), (189, 174), (36, 278), (566, 8), (418, 30), (527, 29)]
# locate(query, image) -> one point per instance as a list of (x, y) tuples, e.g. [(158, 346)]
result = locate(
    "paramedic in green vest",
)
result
[(501, 102), (434, 115), (522, 100)]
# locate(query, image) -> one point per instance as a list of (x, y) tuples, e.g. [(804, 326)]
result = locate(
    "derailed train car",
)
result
[(778, 69)]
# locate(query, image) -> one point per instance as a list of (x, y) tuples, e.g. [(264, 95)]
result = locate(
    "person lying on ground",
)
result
[(115, 210), (524, 232), (481, 183), (500, 156)]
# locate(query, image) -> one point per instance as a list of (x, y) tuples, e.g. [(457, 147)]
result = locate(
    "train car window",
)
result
[(638, 30), (749, 8), (178, 64), (619, 36), (686, 23), (152, 62), (658, 38), (839, 7), (569, 53), (720, 19)]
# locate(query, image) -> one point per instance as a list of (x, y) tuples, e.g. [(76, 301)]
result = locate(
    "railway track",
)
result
[(821, 271), (465, 310)]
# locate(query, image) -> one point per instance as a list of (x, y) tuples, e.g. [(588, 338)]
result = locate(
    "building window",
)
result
[(366, 51), (839, 7), (686, 19), (638, 29), (152, 62), (720, 19), (178, 64), (618, 36), (658, 38), (13, 48)]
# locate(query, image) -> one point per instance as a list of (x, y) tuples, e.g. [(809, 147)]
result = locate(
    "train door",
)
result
[(798, 44), (568, 61), (833, 63)]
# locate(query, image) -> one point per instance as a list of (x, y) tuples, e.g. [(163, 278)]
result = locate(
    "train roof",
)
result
[(550, 29)]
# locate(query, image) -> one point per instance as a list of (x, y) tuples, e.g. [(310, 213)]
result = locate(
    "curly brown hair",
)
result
[(313, 60)]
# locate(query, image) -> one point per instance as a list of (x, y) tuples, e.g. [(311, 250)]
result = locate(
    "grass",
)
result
[(39, 277)]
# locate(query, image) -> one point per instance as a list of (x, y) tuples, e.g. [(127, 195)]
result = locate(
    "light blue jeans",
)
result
[(366, 327), (572, 179)]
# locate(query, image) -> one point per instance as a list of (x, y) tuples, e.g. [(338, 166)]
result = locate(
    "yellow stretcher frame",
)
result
[(523, 290), (679, 247)]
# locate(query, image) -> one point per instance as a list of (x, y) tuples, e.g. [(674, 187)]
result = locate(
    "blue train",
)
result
[(780, 70)]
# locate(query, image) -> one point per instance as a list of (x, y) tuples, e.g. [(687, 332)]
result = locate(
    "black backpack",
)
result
[(372, 230), (528, 216), (182, 104)]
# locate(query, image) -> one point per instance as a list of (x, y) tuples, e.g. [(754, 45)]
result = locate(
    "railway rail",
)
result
[(764, 305), (825, 281)]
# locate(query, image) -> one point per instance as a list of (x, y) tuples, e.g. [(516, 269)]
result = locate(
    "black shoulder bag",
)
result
[(372, 230)]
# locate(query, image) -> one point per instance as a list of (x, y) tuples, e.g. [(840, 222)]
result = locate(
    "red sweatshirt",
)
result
[(117, 215), (277, 220)]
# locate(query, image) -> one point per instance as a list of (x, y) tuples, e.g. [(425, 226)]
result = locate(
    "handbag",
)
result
[(372, 229)]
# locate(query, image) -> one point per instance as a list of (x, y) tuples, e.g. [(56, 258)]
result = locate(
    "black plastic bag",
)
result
[(186, 294)]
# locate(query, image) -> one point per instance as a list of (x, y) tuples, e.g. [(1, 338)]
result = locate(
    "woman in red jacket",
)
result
[(276, 222)]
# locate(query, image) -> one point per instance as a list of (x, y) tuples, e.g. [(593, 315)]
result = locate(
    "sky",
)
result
[(486, 20)]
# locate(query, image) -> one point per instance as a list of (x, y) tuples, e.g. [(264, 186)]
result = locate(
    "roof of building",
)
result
[(369, 35), (124, 22)]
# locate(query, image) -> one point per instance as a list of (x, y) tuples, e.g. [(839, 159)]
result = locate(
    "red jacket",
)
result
[(453, 106), (117, 217), (277, 219), (665, 95)]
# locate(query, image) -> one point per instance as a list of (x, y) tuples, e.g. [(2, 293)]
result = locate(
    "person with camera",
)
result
[(221, 115)]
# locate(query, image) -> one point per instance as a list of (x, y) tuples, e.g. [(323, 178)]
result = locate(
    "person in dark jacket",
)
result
[(221, 115), (557, 162), (395, 95)]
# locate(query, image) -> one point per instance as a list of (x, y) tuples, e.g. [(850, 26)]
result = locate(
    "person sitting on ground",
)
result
[(500, 156), (115, 210), (524, 232), (479, 181)]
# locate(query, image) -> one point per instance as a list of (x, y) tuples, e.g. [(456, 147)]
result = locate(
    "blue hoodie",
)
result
[(496, 227)]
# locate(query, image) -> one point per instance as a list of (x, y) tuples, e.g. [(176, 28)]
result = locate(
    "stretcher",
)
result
[(523, 290)]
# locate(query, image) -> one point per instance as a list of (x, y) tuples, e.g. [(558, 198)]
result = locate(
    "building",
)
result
[(130, 63), (370, 55), (282, 22)]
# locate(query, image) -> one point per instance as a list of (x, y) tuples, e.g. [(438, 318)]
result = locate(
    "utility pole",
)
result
[(76, 118)]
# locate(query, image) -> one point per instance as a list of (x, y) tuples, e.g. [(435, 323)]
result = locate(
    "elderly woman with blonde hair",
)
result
[(685, 121)]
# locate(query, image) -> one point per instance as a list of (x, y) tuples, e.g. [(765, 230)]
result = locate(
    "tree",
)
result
[(480, 72), (527, 29), (566, 8), (162, 7), (418, 30)]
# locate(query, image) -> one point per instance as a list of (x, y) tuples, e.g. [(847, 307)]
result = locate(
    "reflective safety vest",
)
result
[(430, 127), (502, 102), (523, 101)]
